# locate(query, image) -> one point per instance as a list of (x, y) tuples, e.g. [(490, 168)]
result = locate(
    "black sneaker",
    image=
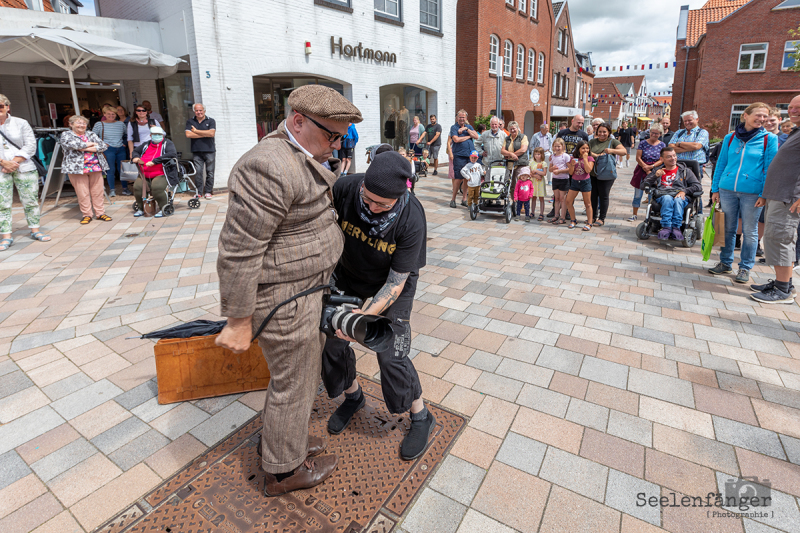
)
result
[(343, 415), (464, 203), (773, 296), (720, 268), (416, 442), (770, 285), (435, 172), (453, 204), (552, 213)]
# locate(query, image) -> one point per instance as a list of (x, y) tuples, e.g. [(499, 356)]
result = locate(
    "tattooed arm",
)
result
[(388, 294)]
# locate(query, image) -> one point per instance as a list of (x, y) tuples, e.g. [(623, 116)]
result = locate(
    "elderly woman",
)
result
[(85, 164), (151, 156), (648, 155), (515, 150), (737, 184), (112, 131), (17, 146)]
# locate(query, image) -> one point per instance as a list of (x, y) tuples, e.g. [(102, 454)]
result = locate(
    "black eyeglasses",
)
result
[(3, 106), (370, 201), (332, 135)]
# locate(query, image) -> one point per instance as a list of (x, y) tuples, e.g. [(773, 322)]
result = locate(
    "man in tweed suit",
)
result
[(281, 237)]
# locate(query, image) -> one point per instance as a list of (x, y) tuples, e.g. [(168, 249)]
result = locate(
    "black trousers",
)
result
[(399, 380), (601, 193), (205, 160)]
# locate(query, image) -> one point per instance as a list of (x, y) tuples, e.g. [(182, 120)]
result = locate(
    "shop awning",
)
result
[(51, 52), (644, 118)]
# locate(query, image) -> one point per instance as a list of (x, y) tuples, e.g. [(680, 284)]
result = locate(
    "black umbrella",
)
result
[(197, 328)]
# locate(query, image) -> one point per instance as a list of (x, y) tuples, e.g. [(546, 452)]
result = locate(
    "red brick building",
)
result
[(731, 53), (521, 32)]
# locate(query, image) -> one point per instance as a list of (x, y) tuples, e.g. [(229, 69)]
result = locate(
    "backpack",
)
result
[(606, 167), (706, 151), (732, 135)]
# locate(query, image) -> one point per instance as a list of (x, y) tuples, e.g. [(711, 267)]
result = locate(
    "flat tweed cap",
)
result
[(387, 175), (324, 102)]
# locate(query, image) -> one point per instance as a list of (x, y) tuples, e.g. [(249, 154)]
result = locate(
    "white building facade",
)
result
[(392, 58)]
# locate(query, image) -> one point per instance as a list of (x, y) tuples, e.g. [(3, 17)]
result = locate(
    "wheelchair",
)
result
[(184, 183), (692, 227)]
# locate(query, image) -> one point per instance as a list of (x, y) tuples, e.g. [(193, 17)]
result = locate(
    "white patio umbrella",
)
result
[(49, 52)]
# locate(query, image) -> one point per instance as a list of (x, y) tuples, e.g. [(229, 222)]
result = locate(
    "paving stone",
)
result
[(120, 435), (575, 473), (213, 406), (21, 403), (85, 399), (630, 427), (512, 497), (782, 514), (67, 386), (567, 511), (151, 409), (544, 400), (428, 344), (613, 452), (622, 494), (522, 453), (677, 474), (138, 449), (781, 395), (662, 387), (560, 360), (778, 418), (783, 476), (498, 386), (63, 459), (475, 522), (477, 447), (14, 382), (12, 468), (458, 479), (34, 340), (525, 372), (138, 395), (434, 513), (28, 427), (178, 421), (746, 436), (587, 414), (605, 372), (221, 424), (484, 361), (613, 398), (494, 416), (792, 447), (32, 515)]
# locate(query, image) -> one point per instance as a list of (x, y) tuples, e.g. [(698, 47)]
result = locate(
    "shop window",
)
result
[(429, 13), (531, 63), (535, 9), (399, 105), (520, 61), (791, 47), (494, 44), (390, 8), (540, 71), (753, 57), (736, 115), (507, 48)]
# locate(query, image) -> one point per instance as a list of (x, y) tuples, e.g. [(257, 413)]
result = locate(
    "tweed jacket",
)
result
[(280, 226), (73, 153)]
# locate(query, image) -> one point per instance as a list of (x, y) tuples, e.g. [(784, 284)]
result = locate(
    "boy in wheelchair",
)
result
[(674, 186)]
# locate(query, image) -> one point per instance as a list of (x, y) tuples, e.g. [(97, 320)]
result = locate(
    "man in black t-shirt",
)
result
[(385, 236), (201, 130), (574, 134), (433, 133)]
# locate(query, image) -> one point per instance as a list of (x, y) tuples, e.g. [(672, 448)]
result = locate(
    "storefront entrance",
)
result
[(399, 104), (272, 94), (92, 96)]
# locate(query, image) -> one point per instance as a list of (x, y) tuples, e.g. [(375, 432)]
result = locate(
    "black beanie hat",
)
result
[(387, 175)]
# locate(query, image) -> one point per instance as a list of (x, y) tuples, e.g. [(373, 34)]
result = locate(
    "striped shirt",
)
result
[(110, 132)]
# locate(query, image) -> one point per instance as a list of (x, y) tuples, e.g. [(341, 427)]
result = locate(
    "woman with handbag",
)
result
[(17, 168), (604, 149), (515, 150), (151, 156), (85, 164), (648, 156), (111, 131)]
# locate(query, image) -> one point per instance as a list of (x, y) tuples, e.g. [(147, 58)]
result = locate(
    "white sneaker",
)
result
[(112, 194), (627, 163)]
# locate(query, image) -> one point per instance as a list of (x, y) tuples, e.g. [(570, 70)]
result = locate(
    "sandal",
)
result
[(572, 224), (587, 227), (541, 217), (5, 244), (599, 222), (104, 218), (562, 221), (86, 220), (39, 236)]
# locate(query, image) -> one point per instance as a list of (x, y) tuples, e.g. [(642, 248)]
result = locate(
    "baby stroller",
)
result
[(496, 196), (184, 183), (420, 166), (692, 227)]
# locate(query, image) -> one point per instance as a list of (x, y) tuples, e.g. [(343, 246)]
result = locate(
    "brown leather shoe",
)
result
[(316, 445), (309, 474)]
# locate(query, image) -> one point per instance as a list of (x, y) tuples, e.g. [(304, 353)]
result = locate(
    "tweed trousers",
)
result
[(292, 346)]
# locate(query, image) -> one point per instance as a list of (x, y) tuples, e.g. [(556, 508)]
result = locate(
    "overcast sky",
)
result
[(624, 32), (88, 7)]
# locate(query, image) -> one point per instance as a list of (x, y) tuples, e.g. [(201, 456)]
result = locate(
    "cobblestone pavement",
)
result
[(593, 368)]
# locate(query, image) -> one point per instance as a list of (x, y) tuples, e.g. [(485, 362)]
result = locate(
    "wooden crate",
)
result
[(188, 369)]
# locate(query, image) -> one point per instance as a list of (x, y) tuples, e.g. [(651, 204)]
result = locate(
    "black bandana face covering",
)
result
[(380, 223)]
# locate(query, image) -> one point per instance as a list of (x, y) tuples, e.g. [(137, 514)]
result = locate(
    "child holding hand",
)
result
[(539, 173), (523, 192)]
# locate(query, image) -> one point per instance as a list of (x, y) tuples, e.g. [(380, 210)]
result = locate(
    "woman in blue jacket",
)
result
[(738, 182)]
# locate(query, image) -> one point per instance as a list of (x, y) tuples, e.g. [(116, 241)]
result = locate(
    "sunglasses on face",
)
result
[(332, 135), (370, 201), (141, 110)]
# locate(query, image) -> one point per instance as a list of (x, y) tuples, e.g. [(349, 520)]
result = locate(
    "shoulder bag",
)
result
[(40, 168), (606, 167)]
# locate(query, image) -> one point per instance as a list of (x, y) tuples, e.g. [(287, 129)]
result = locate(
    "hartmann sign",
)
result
[(361, 52)]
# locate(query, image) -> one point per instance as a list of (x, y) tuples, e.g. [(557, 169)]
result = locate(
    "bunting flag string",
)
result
[(642, 66)]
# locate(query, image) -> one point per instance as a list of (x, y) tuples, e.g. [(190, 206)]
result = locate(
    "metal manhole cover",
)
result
[(223, 490)]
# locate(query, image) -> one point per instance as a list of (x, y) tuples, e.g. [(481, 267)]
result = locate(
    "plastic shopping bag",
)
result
[(708, 234), (719, 226)]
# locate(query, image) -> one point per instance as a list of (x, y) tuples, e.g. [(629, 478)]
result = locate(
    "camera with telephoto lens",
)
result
[(374, 332)]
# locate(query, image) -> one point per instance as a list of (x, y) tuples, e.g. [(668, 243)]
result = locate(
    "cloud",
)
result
[(628, 32)]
